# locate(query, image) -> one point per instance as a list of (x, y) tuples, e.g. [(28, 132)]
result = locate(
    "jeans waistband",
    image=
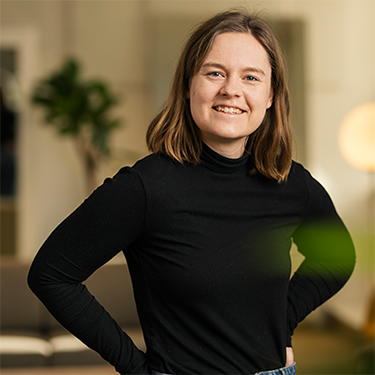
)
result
[(288, 370)]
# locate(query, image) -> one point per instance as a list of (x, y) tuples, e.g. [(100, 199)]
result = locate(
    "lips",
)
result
[(229, 110)]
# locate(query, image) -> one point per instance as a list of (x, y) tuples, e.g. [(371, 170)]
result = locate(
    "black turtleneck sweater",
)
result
[(208, 252)]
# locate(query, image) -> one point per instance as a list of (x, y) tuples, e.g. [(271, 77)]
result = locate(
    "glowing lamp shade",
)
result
[(357, 137)]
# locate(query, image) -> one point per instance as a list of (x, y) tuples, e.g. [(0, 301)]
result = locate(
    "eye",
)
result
[(214, 74), (251, 78)]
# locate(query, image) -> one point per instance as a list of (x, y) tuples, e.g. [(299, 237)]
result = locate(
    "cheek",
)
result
[(197, 94), (200, 91), (194, 105), (198, 100), (260, 100)]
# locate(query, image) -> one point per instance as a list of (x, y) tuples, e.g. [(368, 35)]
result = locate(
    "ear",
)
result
[(270, 99)]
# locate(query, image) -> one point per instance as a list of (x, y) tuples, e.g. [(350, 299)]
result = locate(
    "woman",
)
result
[(206, 223)]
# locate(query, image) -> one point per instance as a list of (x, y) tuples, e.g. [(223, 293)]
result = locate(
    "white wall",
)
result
[(110, 38)]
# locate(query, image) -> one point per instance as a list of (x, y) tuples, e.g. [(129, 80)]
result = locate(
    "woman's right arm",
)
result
[(102, 226)]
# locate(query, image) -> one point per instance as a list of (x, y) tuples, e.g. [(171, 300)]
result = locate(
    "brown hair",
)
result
[(173, 131)]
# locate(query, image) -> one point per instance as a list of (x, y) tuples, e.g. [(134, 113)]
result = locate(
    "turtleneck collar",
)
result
[(218, 163)]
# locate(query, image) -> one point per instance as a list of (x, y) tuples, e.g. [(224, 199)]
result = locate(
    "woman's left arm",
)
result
[(329, 256)]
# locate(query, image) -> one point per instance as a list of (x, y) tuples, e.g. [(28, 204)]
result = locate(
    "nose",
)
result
[(231, 87)]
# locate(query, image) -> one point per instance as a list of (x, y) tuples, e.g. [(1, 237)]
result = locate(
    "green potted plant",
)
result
[(79, 109)]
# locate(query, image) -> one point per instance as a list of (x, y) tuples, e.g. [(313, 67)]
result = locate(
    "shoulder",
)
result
[(154, 174), (149, 165), (319, 199), (299, 174), (130, 179), (297, 170), (158, 167), (298, 180), (152, 161)]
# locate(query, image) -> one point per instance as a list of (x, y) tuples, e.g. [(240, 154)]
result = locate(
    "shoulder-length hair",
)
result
[(173, 131)]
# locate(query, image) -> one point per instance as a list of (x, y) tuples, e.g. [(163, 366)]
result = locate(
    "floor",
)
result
[(328, 348)]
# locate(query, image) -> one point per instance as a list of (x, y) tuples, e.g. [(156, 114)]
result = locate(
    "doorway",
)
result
[(9, 95)]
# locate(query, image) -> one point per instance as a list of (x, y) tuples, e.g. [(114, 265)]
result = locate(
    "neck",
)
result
[(229, 150)]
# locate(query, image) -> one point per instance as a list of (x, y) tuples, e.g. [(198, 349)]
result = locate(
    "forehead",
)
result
[(238, 49)]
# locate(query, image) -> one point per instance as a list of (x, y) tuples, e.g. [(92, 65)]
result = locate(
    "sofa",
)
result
[(30, 336)]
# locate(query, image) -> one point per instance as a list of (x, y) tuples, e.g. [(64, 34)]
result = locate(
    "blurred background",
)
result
[(131, 48)]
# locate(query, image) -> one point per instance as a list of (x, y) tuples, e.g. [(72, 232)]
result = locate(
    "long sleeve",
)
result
[(107, 222), (329, 257)]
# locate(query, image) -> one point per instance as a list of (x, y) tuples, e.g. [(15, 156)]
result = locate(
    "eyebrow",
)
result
[(220, 66)]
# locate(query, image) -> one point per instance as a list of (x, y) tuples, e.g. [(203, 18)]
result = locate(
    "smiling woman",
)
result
[(175, 131), (231, 92), (206, 223)]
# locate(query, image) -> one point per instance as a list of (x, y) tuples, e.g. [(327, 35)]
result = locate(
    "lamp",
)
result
[(357, 137), (357, 145)]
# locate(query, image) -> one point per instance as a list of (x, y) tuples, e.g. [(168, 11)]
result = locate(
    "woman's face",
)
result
[(231, 92)]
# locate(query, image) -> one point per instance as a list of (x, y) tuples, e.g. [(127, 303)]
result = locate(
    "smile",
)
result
[(230, 110)]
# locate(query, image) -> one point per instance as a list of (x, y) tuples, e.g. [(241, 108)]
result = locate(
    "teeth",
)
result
[(229, 110)]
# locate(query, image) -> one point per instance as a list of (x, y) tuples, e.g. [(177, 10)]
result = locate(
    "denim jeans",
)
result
[(289, 370)]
